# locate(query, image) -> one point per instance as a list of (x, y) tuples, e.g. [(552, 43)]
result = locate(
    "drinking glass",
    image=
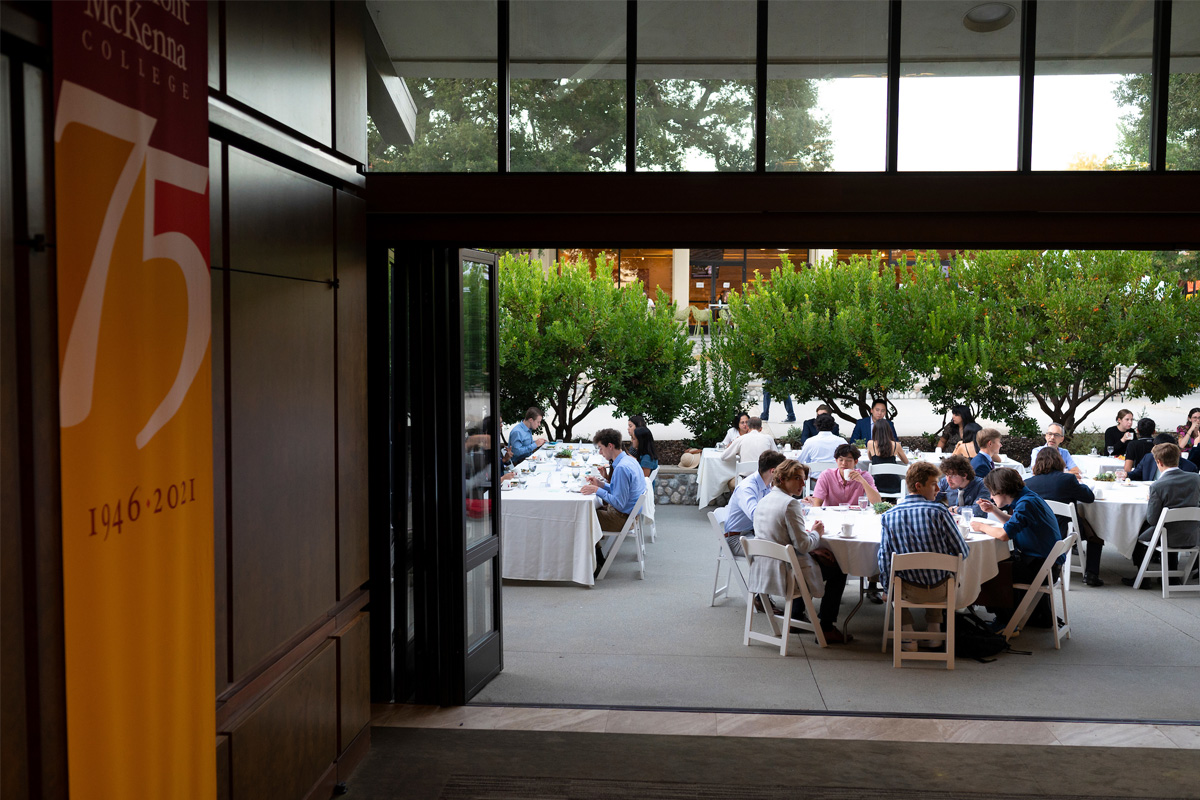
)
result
[(1110, 450), (967, 515)]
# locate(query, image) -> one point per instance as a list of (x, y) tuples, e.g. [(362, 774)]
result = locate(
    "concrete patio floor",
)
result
[(656, 643)]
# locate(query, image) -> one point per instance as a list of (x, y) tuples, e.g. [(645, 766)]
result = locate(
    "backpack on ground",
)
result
[(974, 639)]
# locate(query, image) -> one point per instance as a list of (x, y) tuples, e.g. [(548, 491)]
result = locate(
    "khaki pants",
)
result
[(915, 593), (610, 519)]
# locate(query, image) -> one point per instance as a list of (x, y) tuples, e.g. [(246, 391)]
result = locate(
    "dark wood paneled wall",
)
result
[(288, 130)]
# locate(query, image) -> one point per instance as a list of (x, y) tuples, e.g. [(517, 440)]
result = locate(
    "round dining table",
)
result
[(1118, 514)]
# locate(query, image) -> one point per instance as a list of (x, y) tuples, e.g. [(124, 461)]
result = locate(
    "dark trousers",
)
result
[(787, 404), (835, 585), (1024, 570)]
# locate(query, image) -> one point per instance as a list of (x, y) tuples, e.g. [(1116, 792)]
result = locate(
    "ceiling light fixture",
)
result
[(989, 17)]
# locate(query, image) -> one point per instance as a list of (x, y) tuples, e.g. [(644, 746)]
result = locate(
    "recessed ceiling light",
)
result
[(988, 17)]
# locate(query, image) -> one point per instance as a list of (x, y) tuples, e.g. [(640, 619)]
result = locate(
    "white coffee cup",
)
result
[(847, 530), (847, 473)]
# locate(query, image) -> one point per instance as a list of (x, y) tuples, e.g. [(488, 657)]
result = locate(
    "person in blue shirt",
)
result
[(620, 493), (1050, 481), (1028, 523), (1054, 437), (959, 487), (866, 426), (920, 525), (520, 438), (642, 449), (740, 521), (988, 442)]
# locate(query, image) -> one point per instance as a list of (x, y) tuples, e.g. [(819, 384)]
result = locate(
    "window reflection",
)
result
[(1183, 96), (479, 450)]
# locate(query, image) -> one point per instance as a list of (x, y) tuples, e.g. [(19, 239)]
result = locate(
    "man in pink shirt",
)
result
[(845, 484)]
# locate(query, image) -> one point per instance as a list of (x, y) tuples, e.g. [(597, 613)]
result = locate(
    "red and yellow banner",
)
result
[(134, 300)]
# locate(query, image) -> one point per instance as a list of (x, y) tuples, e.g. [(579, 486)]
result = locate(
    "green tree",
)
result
[(571, 342), (1183, 121), (1069, 319), (579, 125), (839, 332), (716, 390)]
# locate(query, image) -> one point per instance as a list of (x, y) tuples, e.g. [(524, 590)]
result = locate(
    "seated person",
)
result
[(847, 483), (1173, 489), (883, 449), (1147, 468), (750, 445), (822, 446), (959, 488), (741, 425), (617, 497), (520, 439), (779, 518), (920, 525), (1054, 437), (960, 432), (642, 449), (1051, 482), (1026, 521), (866, 426), (1120, 435), (1189, 432), (809, 429), (1140, 446), (744, 501), (988, 443)]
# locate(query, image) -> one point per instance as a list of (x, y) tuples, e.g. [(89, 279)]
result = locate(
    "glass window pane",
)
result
[(445, 56), (481, 610), (1183, 97), (567, 70), (827, 85), (958, 86), (479, 452), (1091, 94), (695, 93)]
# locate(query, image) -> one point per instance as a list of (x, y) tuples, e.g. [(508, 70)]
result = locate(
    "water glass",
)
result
[(967, 516), (1110, 450)]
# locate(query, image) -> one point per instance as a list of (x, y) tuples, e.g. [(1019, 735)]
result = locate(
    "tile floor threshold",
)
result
[(782, 725)]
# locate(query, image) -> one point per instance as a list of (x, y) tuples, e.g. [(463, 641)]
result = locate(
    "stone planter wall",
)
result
[(677, 486)]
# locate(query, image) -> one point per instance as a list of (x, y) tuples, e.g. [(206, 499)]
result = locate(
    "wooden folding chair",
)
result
[(796, 589), (892, 469), (1075, 556), (725, 556), (1044, 583), (895, 599), (1158, 542), (633, 526)]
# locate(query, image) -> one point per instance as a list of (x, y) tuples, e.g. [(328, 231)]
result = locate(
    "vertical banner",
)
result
[(131, 182)]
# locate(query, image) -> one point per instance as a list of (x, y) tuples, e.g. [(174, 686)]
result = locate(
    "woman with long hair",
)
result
[(883, 449), (643, 450), (1189, 432), (960, 432)]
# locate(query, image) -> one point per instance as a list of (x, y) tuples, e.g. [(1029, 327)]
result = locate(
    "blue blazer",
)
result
[(862, 430), (983, 465), (809, 428), (1147, 468)]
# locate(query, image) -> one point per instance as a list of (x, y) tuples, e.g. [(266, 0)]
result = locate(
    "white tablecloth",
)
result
[(713, 476), (860, 555), (549, 533), (1118, 516)]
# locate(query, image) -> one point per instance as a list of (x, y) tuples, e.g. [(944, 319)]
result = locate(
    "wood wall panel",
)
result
[(354, 680), (222, 768), (350, 80), (353, 568), (280, 223), (283, 469), (220, 499), (279, 57), (286, 744)]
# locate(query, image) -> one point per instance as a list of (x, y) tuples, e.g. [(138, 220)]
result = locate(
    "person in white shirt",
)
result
[(822, 446), (741, 424), (749, 446)]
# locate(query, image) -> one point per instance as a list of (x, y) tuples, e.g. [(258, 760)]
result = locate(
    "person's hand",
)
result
[(987, 506), (593, 480), (588, 489), (823, 555), (508, 476), (857, 477), (541, 440), (1127, 437), (953, 509), (978, 524), (819, 527), (808, 501)]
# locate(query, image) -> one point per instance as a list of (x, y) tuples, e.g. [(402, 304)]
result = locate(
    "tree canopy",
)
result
[(579, 125), (1183, 121)]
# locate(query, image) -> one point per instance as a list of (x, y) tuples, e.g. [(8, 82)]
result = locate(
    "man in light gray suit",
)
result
[(1174, 488)]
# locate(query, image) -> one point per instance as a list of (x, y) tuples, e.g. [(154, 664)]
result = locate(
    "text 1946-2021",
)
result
[(127, 511)]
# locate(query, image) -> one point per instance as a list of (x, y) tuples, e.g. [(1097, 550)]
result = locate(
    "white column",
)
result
[(680, 275), (548, 257)]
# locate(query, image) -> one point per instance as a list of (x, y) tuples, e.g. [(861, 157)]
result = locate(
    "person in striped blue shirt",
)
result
[(920, 525)]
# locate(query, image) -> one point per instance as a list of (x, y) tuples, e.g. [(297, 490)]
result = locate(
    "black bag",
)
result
[(974, 639)]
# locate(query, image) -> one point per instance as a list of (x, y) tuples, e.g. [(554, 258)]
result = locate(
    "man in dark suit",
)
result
[(1147, 469), (1173, 489), (810, 425), (866, 426)]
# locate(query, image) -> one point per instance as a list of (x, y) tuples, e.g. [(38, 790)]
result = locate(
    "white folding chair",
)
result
[(725, 556), (1075, 556), (648, 514), (1158, 542), (892, 469), (745, 468), (633, 526), (814, 471), (1044, 583), (895, 598), (796, 589)]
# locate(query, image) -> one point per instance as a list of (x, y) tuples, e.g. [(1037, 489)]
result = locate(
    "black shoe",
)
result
[(834, 636), (1147, 583), (790, 419), (1092, 580), (600, 559), (875, 597), (765, 418)]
